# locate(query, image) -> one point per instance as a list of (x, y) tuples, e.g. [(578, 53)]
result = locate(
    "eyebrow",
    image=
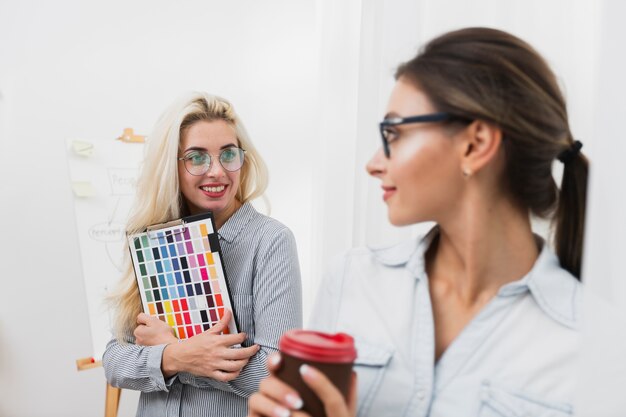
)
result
[(198, 148), (391, 115)]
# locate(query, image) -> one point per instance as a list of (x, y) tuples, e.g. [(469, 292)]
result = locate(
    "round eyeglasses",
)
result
[(199, 162)]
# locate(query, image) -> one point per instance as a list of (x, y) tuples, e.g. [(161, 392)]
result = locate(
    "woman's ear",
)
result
[(480, 144)]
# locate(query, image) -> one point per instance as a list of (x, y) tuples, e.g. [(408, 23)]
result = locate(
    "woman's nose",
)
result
[(215, 169), (377, 165)]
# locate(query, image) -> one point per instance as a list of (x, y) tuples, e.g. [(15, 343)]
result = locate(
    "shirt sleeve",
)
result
[(277, 306), (127, 365)]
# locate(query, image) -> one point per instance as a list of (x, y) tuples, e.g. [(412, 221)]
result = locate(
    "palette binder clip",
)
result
[(180, 222)]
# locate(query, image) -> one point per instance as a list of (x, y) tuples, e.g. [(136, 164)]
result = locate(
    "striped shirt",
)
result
[(261, 262)]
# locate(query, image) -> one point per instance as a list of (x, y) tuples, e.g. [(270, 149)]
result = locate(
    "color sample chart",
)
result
[(180, 275)]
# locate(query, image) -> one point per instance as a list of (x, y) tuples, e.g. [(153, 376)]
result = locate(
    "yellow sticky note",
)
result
[(82, 148), (83, 189)]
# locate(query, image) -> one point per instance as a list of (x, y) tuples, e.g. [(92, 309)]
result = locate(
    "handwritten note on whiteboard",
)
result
[(103, 177)]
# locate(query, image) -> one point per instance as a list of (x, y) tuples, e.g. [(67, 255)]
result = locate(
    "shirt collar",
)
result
[(554, 289), (409, 253), (235, 223)]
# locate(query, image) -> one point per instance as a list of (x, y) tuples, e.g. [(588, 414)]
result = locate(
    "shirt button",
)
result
[(420, 394)]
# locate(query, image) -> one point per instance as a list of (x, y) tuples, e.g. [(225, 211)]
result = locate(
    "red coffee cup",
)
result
[(331, 354)]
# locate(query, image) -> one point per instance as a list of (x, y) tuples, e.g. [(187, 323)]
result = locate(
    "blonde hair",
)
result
[(158, 198)]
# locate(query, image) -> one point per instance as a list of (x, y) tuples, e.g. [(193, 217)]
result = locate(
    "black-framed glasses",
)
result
[(199, 162), (387, 134)]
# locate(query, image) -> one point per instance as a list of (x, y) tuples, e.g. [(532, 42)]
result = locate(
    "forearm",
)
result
[(247, 382), (134, 367), (170, 364)]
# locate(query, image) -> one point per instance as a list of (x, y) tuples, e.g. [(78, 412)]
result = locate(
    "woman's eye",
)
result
[(390, 134), (197, 158), (228, 155)]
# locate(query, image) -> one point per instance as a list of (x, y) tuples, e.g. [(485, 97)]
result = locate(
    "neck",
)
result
[(223, 215), (482, 249)]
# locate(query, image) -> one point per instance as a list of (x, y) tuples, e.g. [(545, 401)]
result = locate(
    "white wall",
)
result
[(603, 366), (75, 69)]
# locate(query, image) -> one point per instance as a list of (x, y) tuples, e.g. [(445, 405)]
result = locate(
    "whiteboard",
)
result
[(102, 176)]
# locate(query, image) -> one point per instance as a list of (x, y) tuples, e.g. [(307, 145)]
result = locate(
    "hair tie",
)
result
[(568, 154)]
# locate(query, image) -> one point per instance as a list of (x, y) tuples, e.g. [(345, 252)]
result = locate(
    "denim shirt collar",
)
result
[(554, 289), (409, 253), (236, 223)]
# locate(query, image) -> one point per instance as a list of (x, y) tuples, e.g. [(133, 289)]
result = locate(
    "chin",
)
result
[(398, 220), (404, 219), (213, 207)]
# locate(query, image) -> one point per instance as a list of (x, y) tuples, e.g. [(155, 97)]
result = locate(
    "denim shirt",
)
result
[(517, 356)]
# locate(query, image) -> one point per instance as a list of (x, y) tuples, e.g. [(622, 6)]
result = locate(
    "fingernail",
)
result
[(281, 412), (275, 360), (305, 370), (294, 401)]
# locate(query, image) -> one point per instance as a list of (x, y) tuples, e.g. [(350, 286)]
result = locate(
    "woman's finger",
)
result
[(334, 403), (224, 376), (273, 362), (226, 340), (138, 332), (261, 405), (280, 392), (352, 395), (231, 366), (142, 318), (240, 353), (221, 325)]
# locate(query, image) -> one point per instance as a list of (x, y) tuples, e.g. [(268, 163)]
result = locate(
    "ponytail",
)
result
[(570, 214)]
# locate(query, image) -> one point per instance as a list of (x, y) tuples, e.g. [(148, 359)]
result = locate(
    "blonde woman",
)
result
[(199, 158)]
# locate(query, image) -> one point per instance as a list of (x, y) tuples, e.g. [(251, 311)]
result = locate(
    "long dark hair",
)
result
[(488, 74)]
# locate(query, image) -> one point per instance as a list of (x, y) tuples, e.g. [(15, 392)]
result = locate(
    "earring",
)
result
[(467, 172)]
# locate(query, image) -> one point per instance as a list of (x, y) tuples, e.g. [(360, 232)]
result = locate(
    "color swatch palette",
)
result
[(180, 274)]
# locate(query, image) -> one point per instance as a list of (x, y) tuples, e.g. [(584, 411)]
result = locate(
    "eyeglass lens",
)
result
[(198, 163)]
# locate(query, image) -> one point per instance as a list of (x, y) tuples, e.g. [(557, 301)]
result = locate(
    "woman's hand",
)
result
[(277, 399), (209, 354), (151, 331)]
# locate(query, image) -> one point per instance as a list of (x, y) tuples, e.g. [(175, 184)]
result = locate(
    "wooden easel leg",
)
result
[(112, 401)]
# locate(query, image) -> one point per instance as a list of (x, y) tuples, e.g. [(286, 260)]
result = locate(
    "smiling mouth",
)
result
[(217, 189), (388, 192)]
